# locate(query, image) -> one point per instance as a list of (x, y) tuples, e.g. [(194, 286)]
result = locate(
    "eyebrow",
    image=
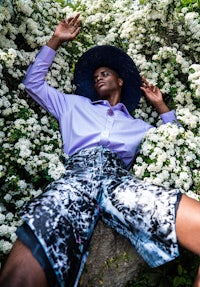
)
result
[(95, 74), (107, 70)]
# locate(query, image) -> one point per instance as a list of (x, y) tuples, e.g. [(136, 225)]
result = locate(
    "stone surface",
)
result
[(112, 261)]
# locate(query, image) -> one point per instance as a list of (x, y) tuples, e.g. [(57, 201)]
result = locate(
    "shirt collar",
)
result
[(119, 106)]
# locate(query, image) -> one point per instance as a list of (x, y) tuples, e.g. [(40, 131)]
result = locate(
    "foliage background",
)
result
[(161, 36)]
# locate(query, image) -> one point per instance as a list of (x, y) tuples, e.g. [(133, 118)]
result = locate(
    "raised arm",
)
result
[(154, 95), (66, 30), (35, 84)]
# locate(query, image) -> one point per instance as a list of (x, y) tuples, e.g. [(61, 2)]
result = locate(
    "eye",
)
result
[(105, 74)]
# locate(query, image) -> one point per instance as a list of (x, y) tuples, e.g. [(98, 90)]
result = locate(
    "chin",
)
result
[(103, 97)]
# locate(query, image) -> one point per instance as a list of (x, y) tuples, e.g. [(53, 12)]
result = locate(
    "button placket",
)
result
[(109, 123)]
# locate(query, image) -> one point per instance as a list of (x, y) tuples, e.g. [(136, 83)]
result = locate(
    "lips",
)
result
[(100, 84)]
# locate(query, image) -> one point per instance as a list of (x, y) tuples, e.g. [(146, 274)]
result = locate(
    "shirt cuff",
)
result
[(47, 54), (169, 117)]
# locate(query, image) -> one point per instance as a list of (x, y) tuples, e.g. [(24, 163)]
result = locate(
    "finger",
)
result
[(77, 16), (145, 89), (76, 31), (77, 24), (144, 80), (72, 20), (146, 84), (68, 20)]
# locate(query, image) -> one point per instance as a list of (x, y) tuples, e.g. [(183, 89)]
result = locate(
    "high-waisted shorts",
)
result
[(60, 222)]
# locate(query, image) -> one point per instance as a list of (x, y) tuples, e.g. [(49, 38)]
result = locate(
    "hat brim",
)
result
[(115, 59)]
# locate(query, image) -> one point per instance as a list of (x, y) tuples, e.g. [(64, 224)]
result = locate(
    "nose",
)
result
[(98, 78)]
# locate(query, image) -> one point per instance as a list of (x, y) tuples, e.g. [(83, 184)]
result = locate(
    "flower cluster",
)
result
[(169, 157), (194, 78), (162, 37), (8, 57)]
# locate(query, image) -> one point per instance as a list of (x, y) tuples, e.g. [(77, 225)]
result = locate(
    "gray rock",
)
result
[(112, 261)]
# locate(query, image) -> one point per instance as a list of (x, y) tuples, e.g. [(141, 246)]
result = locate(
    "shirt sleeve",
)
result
[(46, 96), (169, 117)]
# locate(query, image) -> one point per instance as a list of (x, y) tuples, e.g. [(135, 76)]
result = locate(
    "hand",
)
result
[(154, 95), (66, 30)]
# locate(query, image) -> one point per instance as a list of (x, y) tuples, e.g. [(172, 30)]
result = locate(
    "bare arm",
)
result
[(154, 95), (66, 30)]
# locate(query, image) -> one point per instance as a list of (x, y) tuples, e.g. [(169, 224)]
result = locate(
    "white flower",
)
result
[(7, 197), (9, 216), (24, 147), (8, 57), (5, 246), (140, 169), (192, 195), (13, 237), (22, 184), (25, 6), (2, 207), (4, 230), (2, 218), (19, 203)]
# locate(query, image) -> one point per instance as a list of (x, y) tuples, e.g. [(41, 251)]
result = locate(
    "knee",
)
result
[(22, 269), (10, 274), (188, 224), (197, 279), (8, 279)]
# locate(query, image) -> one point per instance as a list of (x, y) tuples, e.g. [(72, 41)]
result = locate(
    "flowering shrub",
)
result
[(169, 157), (162, 37)]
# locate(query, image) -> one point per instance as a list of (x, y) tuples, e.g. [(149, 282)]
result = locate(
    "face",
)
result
[(107, 82)]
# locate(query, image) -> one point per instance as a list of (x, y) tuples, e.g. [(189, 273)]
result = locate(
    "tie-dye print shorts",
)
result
[(96, 185)]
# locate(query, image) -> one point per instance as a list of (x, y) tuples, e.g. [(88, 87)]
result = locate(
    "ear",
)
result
[(120, 82)]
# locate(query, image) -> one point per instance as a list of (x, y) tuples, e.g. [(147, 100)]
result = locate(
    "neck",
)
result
[(113, 99)]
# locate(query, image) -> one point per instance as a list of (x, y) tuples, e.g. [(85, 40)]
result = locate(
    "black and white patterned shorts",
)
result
[(97, 185)]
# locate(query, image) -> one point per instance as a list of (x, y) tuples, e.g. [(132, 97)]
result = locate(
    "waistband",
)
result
[(95, 156)]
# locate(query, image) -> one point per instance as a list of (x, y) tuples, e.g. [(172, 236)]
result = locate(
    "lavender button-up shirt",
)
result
[(86, 124)]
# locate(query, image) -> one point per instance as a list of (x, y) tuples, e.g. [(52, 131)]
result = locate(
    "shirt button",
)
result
[(110, 112)]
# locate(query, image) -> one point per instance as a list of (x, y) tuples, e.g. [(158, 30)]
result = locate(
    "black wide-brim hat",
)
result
[(115, 59)]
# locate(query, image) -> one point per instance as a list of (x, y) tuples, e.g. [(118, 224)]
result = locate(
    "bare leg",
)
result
[(197, 279), (22, 269), (188, 224), (188, 227)]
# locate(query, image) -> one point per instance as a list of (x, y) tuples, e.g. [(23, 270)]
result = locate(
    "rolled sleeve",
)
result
[(169, 117), (47, 54)]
